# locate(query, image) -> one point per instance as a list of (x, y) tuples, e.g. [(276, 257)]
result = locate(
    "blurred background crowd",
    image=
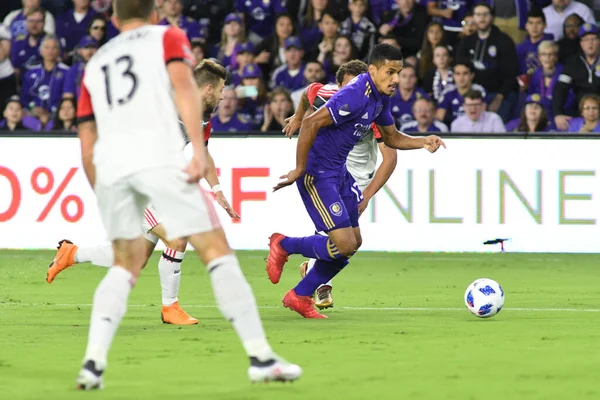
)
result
[(481, 67)]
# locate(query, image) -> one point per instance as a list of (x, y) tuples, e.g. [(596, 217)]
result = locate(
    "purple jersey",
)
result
[(576, 124), (41, 88), (22, 54), (282, 77), (402, 109), (527, 54), (72, 82), (260, 14), (190, 26), (452, 101), (70, 31), (237, 123), (413, 126), (353, 109), (18, 25), (460, 7)]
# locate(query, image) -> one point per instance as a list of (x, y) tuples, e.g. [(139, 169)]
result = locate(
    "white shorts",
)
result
[(151, 219), (183, 207)]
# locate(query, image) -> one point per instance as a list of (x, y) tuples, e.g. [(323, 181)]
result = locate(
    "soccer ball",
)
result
[(484, 298)]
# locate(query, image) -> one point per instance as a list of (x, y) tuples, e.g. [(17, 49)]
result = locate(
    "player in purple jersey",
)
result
[(329, 192)]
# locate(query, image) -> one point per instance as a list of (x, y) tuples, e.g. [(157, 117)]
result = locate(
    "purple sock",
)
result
[(316, 246), (322, 272)]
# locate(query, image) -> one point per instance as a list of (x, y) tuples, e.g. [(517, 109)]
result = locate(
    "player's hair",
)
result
[(354, 68), (133, 9), (464, 61), (473, 94), (39, 10), (209, 72), (383, 52), (536, 12)]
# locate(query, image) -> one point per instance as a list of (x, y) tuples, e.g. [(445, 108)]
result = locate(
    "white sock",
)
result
[(311, 264), (169, 269), (110, 305), (101, 256), (238, 305)]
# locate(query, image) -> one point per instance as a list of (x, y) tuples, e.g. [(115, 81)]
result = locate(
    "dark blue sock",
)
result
[(322, 272), (315, 246)]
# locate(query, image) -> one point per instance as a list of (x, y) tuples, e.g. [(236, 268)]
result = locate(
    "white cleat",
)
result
[(89, 378), (277, 370)]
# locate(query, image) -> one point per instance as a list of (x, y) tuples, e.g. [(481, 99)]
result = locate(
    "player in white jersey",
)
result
[(132, 92), (210, 78), (361, 162)]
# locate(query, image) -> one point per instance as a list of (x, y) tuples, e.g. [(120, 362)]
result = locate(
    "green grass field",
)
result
[(399, 331)]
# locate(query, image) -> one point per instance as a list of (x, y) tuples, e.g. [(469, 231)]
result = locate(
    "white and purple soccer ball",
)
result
[(484, 298)]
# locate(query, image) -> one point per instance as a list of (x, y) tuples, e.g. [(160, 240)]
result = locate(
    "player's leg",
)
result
[(121, 209), (187, 212), (169, 271)]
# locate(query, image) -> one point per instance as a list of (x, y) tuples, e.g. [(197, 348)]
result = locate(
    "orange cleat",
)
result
[(175, 315), (303, 305), (277, 257), (64, 258)]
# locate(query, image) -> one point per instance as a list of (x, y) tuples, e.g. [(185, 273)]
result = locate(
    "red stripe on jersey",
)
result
[(376, 132), (207, 130), (312, 90), (176, 46), (85, 112)]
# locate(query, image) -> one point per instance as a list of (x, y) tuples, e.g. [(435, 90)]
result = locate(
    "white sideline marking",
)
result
[(586, 310)]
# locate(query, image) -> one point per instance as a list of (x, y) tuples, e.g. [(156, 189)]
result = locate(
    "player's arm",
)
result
[(213, 180), (295, 121), (180, 59), (87, 133), (392, 137), (308, 132), (382, 175)]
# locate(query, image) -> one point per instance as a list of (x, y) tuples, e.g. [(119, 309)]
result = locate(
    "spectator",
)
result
[(160, 9), (270, 53), (227, 119), (98, 29), (557, 12), (527, 52), (259, 16), (423, 110), (581, 74), (252, 95), (360, 29), (73, 25), (343, 51), (468, 26), (390, 39), (408, 24), (511, 17), (407, 92), (174, 17), (589, 108), (8, 81), (439, 79), (310, 31), (16, 20), (233, 34), (434, 35), (104, 6), (243, 56), (533, 117), (312, 73), (451, 15), (329, 27), (86, 48), (210, 14), (544, 79), (41, 90), (13, 116), (494, 56), (199, 49), (291, 74), (451, 102), (64, 119), (24, 49), (569, 44), (476, 120), (279, 108)]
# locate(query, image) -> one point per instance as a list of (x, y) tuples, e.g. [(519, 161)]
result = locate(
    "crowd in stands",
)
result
[(481, 67)]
